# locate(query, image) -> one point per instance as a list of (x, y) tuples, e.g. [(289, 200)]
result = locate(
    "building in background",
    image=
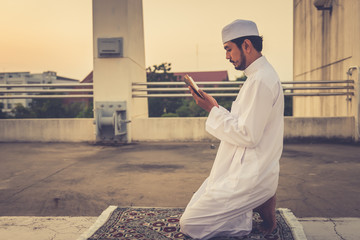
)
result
[(9, 78), (326, 45)]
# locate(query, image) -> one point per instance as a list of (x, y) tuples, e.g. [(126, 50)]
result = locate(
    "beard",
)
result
[(242, 65)]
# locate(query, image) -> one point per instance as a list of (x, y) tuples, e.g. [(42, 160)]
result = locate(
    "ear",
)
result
[(247, 46)]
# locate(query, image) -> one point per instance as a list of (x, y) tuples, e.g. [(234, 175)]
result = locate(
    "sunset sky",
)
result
[(56, 35)]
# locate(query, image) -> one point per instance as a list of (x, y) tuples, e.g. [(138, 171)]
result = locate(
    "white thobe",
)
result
[(246, 168)]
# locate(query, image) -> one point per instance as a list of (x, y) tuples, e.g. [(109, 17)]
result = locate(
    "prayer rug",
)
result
[(117, 223)]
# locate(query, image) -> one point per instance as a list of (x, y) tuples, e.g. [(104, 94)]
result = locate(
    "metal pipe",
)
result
[(182, 83), (238, 83), (45, 96), (318, 88), (47, 85), (47, 91), (235, 94), (182, 95), (234, 89), (182, 89), (321, 94), (319, 82)]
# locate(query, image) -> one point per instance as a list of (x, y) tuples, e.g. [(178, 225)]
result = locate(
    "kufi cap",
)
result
[(239, 28)]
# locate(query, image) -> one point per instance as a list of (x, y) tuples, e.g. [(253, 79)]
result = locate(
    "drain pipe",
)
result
[(356, 103)]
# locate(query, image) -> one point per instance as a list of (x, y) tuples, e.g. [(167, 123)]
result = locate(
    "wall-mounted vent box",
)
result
[(110, 47)]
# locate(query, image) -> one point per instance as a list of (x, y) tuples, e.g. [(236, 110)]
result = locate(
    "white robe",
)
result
[(246, 168)]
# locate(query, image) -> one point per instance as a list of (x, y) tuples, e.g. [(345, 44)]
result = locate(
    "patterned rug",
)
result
[(117, 223)]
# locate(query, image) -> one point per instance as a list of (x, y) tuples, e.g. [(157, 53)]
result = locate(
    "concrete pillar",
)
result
[(113, 76)]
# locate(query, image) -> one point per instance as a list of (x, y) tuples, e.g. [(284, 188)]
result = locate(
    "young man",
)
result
[(245, 173)]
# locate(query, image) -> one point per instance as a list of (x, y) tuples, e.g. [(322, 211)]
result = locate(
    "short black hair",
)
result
[(256, 41)]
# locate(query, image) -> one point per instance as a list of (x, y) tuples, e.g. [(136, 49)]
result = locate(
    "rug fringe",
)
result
[(296, 227), (101, 220)]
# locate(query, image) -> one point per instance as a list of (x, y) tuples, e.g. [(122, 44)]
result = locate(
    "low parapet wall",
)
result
[(320, 127), (170, 129), (162, 129), (183, 129), (47, 130)]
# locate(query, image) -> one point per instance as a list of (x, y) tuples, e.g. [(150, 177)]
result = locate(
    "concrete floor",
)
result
[(70, 228), (317, 181)]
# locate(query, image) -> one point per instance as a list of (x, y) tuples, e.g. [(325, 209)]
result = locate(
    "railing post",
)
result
[(357, 96), (356, 102)]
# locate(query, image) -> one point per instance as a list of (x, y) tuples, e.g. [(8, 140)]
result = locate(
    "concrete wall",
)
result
[(47, 130), (326, 44), (193, 129), (170, 129), (161, 129), (319, 127)]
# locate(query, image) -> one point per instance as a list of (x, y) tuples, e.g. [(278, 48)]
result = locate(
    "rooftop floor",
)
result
[(317, 181)]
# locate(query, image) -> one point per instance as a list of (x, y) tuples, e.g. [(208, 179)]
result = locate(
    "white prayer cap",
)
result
[(239, 28)]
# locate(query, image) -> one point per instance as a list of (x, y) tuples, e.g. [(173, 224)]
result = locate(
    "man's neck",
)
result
[(253, 57)]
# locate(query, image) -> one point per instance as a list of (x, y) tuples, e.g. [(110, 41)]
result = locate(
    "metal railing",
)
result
[(24, 91), (179, 89), (173, 89)]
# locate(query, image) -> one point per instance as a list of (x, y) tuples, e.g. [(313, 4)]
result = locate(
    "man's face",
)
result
[(235, 55)]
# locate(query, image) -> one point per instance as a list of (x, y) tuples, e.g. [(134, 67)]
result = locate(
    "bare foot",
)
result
[(267, 213)]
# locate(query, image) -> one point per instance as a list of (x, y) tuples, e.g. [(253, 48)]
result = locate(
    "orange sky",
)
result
[(56, 35)]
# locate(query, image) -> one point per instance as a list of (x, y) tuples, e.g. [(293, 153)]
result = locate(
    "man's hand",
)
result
[(206, 103)]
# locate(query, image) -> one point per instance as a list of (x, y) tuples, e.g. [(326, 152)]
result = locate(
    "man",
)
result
[(245, 173)]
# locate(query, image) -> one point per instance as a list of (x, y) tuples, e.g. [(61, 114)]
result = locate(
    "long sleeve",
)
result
[(246, 128)]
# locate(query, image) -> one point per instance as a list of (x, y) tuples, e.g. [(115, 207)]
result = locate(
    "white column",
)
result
[(113, 76)]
